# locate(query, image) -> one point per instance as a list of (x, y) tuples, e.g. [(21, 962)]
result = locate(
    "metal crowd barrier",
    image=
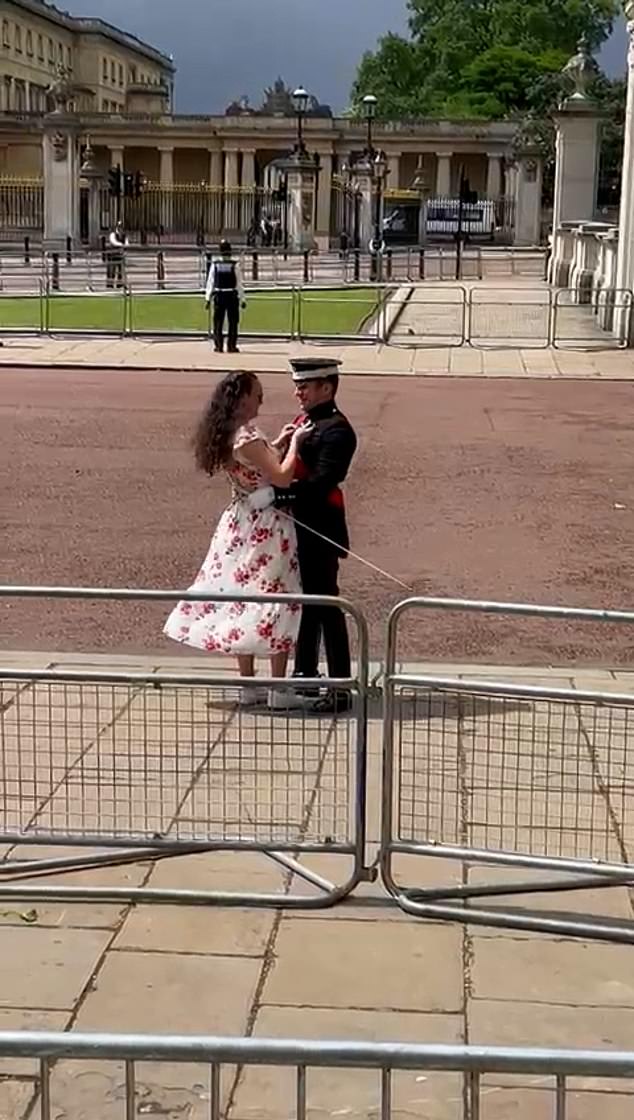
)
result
[(491, 776), (152, 766), (296, 1079), (504, 777)]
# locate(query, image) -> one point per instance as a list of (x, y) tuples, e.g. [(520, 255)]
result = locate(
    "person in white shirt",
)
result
[(117, 242), (225, 288)]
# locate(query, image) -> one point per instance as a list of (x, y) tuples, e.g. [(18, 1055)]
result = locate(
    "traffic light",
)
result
[(128, 185), (139, 183), (114, 182)]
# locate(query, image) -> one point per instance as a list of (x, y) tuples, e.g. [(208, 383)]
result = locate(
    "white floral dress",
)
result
[(252, 552)]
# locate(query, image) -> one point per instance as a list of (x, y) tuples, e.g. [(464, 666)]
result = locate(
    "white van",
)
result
[(478, 218)]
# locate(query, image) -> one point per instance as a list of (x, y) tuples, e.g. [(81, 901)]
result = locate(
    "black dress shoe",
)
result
[(310, 692), (332, 704)]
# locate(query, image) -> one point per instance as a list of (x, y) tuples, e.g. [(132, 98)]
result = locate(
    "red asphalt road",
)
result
[(496, 489)]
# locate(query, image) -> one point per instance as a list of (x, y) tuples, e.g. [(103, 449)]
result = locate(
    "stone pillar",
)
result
[(528, 198), (443, 174), (166, 181), (215, 167), (301, 175), (577, 160), (247, 184), (248, 169), (365, 187), (324, 196), (92, 178), (116, 157), (166, 167), (60, 159), (393, 171), (625, 252), (27, 96), (494, 176), (231, 216)]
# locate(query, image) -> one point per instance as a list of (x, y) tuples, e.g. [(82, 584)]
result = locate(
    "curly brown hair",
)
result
[(213, 440)]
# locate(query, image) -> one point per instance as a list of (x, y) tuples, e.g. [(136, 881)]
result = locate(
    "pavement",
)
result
[(363, 358), (362, 970)]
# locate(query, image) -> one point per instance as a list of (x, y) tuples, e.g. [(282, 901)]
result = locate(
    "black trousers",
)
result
[(319, 570), (114, 270), (226, 303)]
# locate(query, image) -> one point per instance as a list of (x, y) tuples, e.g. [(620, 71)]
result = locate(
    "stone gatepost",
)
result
[(302, 184), (364, 180), (92, 177), (60, 160), (528, 196), (578, 124)]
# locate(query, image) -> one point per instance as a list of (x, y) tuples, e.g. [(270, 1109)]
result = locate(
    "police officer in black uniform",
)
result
[(316, 502), (225, 288)]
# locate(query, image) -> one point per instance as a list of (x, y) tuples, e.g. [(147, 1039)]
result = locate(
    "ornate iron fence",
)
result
[(21, 205)]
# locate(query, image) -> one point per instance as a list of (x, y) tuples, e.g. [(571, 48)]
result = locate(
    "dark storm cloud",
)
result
[(226, 48)]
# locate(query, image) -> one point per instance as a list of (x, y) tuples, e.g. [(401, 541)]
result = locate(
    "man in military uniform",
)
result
[(316, 502)]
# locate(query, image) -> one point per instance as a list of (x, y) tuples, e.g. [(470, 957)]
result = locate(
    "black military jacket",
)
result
[(326, 454)]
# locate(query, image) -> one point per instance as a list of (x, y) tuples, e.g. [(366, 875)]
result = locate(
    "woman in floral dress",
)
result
[(254, 549)]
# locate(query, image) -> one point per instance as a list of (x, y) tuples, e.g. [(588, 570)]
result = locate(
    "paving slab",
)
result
[(539, 970), (360, 965), (170, 993), (205, 931), (55, 965), (270, 1093)]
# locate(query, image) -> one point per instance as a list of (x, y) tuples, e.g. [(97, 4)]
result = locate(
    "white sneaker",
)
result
[(250, 696), (281, 699)]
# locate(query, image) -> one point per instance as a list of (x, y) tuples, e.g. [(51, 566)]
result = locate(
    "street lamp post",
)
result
[(377, 164), (301, 101), (369, 111)]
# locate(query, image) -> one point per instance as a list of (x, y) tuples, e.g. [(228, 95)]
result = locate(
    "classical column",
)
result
[(166, 167), (116, 157), (231, 168), (27, 96), (494, 176), (215, 167), (324, 194), (166, 182), (248, 168), (625, 256), (231, 197), (393, 171), (247, 183), (443, 174)]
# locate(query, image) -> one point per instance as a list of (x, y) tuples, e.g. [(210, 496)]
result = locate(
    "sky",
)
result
[(224, 49)]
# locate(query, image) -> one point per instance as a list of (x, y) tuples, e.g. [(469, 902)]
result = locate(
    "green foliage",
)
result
[(480, 58)]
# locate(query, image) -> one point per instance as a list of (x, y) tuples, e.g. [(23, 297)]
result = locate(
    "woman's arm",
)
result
[(259, 455)]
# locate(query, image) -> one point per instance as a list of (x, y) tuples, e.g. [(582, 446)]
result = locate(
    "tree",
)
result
[(480, 58)]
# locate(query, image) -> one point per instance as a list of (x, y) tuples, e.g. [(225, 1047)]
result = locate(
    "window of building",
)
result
[(40, 47), (133, 74), (104, 70), (120, 74), (29, 43), (6, 42), (113, 70), (51, 52), (69, 58), (60, 54), (18, 38)]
